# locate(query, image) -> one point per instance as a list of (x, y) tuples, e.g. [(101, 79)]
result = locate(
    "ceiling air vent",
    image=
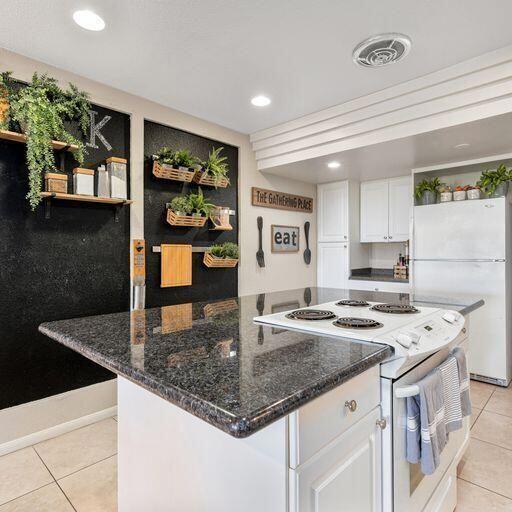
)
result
[(381, 50)]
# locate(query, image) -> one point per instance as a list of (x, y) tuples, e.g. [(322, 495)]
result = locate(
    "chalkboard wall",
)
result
[(207, 283), (74, 264)]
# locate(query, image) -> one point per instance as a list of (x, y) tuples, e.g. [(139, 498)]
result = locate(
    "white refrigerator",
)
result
[(462, 250)]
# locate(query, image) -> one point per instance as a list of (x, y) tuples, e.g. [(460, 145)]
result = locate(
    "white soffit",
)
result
[(472, 90)]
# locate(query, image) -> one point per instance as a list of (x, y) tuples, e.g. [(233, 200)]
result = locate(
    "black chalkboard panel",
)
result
[(207, 284), (74, 264)]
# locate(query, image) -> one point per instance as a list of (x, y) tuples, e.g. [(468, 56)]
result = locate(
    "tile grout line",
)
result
[(492, 444), (88, 466), (27, 493), (485, 488), (55, 480)]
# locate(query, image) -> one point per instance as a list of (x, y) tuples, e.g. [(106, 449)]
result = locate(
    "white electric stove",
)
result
[(421, 338), (413, 332)]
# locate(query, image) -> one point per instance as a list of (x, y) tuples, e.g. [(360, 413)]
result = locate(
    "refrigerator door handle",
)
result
[(460, 260)]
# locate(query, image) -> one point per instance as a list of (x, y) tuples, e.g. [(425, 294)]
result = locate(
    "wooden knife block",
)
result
[(176, 265)]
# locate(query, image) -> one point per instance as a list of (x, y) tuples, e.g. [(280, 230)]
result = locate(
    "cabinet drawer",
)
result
[(316, 424), (378, 286)]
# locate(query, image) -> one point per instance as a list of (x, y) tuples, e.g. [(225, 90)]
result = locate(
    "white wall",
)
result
[(281, 271), (385, 255)]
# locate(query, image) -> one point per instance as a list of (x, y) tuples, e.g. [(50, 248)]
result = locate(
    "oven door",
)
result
[(411, 489)]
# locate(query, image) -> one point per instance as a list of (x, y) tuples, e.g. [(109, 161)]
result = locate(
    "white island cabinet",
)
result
[(323, 457)]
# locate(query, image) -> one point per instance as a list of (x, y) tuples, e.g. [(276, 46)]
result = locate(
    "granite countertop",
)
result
[(375, 274), (212, 360)]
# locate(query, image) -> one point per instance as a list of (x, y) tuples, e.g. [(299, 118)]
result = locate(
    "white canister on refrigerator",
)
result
[(116, 168), (103, 182)]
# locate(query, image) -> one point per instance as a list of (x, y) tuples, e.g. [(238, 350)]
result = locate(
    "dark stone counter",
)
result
[(212, 360)]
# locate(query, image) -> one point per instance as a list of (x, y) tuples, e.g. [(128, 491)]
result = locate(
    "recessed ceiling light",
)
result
[(462, 145), (260, 101), (89, 20), (334, 165)]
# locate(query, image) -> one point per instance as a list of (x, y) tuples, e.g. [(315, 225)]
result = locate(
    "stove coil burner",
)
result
[(357, 323), (395, 308), (354, 303), (311, 314)]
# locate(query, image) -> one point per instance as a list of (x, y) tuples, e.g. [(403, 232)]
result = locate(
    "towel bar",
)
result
[(406, 391)]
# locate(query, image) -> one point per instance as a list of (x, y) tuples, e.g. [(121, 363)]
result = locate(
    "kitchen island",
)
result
[(217, 413)]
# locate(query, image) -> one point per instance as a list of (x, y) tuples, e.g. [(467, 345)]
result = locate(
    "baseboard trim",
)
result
[(57, 430)]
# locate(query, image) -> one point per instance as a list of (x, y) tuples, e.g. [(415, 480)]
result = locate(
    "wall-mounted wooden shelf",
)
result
[(20, 137), (213, 262), (166, 172), (59, 196), (221, 228)]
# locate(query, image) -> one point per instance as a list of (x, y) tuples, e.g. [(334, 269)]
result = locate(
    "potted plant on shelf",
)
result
[(494, 183), (223, 255), (214, 170), (426, 191), (445, 193), (177, 165), (180, 206), (473, 192), (459, 193), (199, 206), (41, 109)]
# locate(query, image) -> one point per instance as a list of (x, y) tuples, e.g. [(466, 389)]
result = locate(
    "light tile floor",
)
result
[(78, 470), (485, 472)]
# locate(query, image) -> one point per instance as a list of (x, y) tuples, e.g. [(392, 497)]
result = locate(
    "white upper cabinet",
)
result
[(385, 207), (374, 211), (400, 202), (333, 212)]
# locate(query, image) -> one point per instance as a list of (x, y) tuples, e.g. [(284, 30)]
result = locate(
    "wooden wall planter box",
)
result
[(185, 220), (167, 172), (218, 308), (201, 178), (212, 262)]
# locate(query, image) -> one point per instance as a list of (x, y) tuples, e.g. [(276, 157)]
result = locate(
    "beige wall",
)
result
[(281, 271)]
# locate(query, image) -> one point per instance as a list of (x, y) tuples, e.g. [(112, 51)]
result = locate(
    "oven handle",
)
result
[(407, 391)]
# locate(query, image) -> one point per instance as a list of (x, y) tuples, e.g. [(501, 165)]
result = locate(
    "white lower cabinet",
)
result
[(344, 475), (379, 286), (332, 264)]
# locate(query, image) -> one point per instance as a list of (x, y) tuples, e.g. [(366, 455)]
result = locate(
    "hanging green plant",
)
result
[(216, 166), (41, 109), (6, 94), (176, 158)]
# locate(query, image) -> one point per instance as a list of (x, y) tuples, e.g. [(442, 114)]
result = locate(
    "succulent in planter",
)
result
[(180, 205), (227, 250), (494, 183), (41, 108), (216, 166), (427, 190), (198, 204), (181, 158)]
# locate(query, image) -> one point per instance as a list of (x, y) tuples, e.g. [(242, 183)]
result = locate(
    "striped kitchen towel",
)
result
[(465, 399), (426, 428), (451, 394)]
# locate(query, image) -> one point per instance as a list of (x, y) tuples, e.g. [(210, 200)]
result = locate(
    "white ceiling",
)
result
[(487, 137), (209, 57)]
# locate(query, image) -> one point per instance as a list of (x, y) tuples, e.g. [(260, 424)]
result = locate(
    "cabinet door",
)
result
[(332, 270), (400, 201), (344, 475), (374, 211), (333, 212)]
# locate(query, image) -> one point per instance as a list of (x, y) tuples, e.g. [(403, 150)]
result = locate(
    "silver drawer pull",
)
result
[(464, 330), (382, 423), (351, 405)]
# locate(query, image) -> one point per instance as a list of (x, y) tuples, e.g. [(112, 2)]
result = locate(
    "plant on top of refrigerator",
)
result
[(490, 180), (427, 185)]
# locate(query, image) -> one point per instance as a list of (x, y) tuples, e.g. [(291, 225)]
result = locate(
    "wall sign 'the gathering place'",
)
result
[(281, 200)]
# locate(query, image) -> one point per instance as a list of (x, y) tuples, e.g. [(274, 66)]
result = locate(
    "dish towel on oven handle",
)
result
[(426, 427), (465, 399), (451, 394)]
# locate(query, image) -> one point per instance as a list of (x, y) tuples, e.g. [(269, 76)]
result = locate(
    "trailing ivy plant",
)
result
[(41, 109), (426, 185), (216, 166), (6, 95), (489, 180)]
